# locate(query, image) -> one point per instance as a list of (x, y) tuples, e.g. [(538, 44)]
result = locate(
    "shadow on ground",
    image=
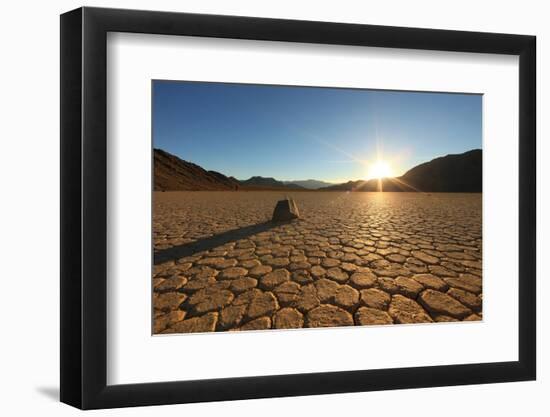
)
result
[(50, 392), (212, 242)]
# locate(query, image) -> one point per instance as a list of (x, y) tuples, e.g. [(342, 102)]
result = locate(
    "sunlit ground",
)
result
[(353, 258)]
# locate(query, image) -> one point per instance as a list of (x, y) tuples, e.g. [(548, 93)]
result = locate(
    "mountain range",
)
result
[(309, 184), (174, 174), (450, 173), (269, 182)]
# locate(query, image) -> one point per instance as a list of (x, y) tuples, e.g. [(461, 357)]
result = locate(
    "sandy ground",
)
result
[(351, 259)]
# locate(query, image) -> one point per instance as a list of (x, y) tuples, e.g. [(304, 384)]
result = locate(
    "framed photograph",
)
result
[(256, 208)]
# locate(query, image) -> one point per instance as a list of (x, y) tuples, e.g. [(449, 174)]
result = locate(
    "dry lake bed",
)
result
[(351, 259)]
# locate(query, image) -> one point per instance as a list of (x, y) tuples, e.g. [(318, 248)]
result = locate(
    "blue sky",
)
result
[(296, 133)]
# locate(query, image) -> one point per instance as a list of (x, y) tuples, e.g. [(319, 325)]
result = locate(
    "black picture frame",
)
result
[(84, 207)]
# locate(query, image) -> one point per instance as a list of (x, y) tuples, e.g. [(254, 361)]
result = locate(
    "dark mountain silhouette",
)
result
[(309, 184), (174, 174), (451, 173), (268, 182)]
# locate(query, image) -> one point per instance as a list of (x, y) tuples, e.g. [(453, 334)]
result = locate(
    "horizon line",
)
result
[(332, 182)]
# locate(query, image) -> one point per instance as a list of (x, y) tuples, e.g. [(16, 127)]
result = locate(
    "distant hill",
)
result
[(309, 184), (174, 174), (451, 173), (268, 182)]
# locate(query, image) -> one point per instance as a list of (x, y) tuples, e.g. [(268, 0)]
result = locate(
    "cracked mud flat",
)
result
[(351, 259)]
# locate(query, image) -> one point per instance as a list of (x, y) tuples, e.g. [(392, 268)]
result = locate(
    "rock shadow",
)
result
[(189, 249)]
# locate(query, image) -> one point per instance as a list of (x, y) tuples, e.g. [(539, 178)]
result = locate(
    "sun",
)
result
[(380, 169)]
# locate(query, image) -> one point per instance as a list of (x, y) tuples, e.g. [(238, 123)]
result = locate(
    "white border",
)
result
[(134, 356)]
